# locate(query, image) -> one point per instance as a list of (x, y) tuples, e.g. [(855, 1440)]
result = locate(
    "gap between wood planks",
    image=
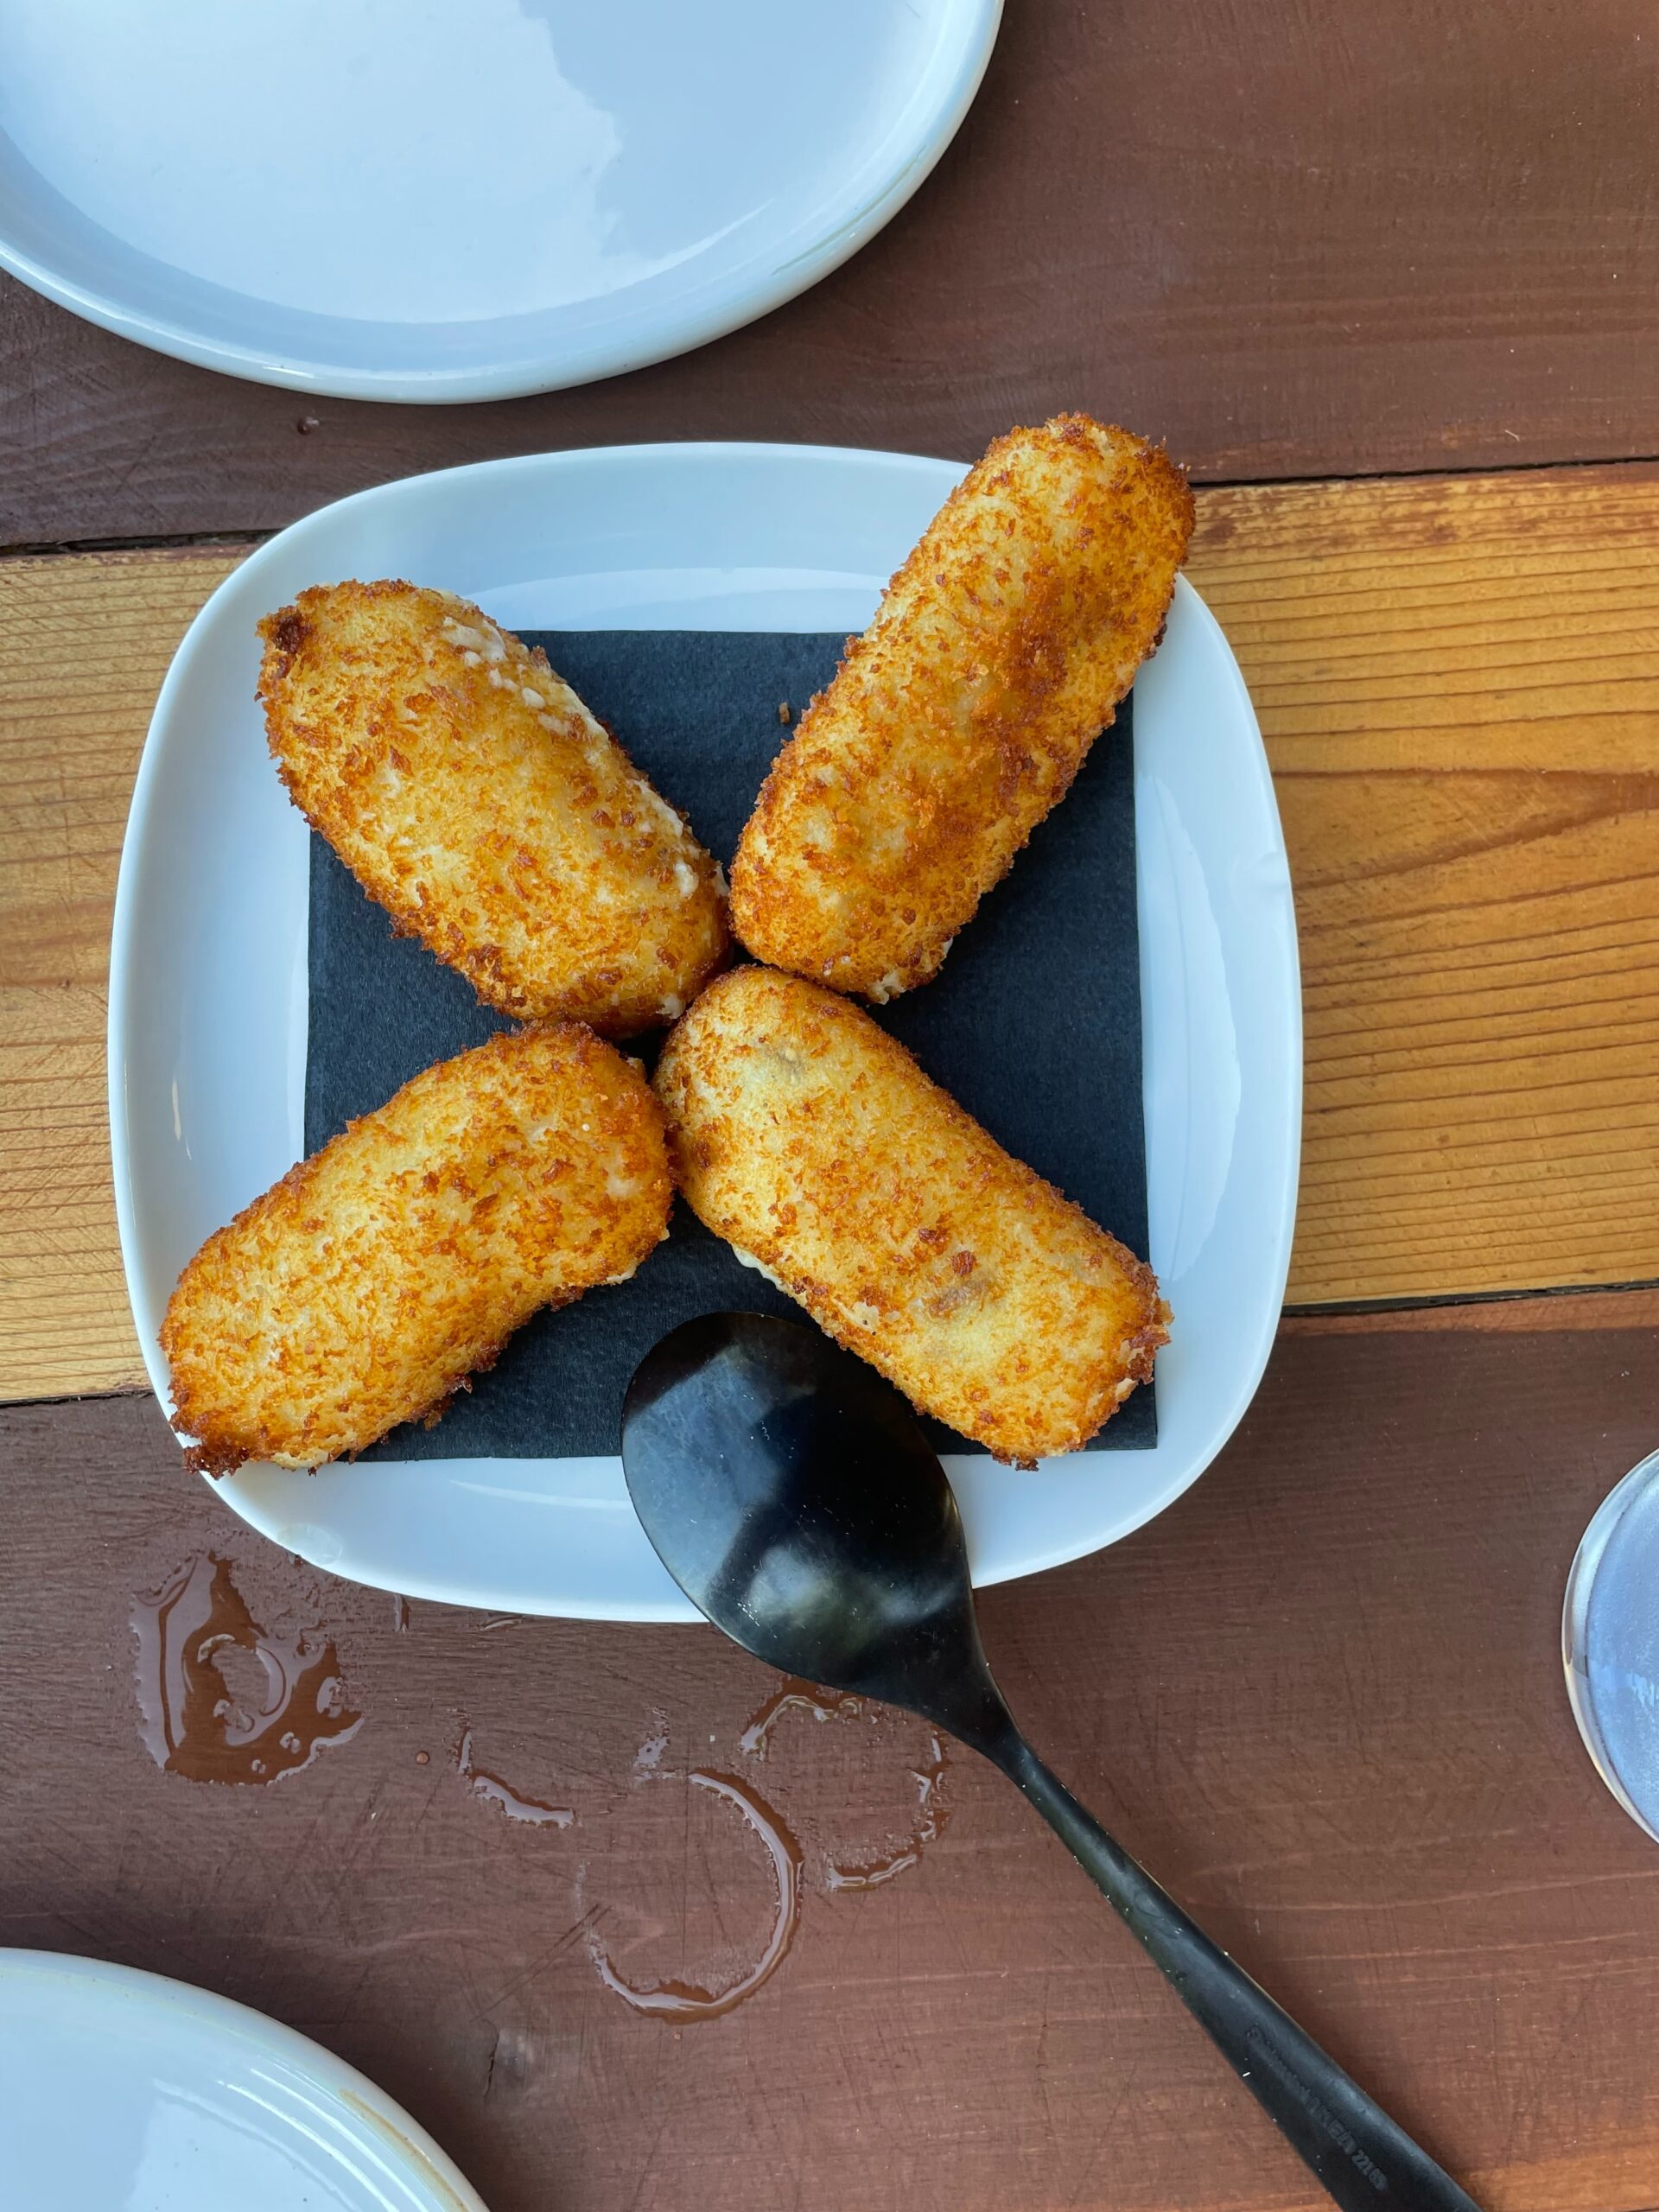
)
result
[(1458, 678), (245, 541), (1547, 1312)]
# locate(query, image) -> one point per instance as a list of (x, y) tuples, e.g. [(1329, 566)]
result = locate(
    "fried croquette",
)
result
[(959, 719), (365, 1288), (469, 791), (809, 1139)]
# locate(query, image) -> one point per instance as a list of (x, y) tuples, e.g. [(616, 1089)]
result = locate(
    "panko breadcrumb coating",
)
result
[(960, 717), (809, 1139), (365, 1288), (468, 790)]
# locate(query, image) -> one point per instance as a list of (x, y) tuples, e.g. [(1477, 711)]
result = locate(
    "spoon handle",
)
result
[(1365, 2159)]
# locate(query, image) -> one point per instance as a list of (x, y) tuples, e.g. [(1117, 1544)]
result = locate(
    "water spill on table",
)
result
[(649, 1757), (223, 1699), (933, 1813), (795, 1695), (682, 2001), (492, 1790), (193, 1720)]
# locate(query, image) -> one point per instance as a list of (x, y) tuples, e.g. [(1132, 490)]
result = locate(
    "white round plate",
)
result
[(442, 200), (127, 2093), (208, 987)]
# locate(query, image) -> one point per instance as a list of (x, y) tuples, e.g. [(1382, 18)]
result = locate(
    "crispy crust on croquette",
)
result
[(471, 793), (810, 1140), (959, 719), (365, 1288)]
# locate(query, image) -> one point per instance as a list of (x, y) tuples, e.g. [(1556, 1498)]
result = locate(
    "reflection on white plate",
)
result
[(460, 198), (208, 980), (127, 2093)]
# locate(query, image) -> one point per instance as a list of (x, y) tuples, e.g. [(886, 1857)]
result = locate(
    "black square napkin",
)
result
[(1033, 1024)]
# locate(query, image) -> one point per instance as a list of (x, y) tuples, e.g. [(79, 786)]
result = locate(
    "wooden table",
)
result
[(1331, 255)]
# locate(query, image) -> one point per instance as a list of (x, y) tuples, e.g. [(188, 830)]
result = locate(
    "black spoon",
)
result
[(791, 1494)]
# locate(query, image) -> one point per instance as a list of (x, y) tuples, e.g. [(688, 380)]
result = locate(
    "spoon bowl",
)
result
[(793, 1495)]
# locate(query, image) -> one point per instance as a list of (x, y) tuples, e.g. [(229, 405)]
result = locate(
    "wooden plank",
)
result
[(1460, 684), (1321, 1698), (1553, 1313), (1458, 680), (1355, 239), (84, 644)]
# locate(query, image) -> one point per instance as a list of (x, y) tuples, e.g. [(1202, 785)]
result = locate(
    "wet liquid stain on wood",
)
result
[(490, 1789), (682, 2001), (195, 1719), (933, 1813), (795, 1695), (649, 1757), (222, 1699)]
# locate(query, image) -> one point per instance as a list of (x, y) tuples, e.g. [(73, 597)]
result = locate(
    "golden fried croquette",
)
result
[(960, 717), (471, 793), (809, 1139), (365, 1288)]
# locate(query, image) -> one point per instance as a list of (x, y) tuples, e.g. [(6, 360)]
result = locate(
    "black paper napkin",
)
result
[(1033, 1023)]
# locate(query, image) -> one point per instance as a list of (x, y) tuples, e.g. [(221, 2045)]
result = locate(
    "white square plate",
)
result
[(208, 999)]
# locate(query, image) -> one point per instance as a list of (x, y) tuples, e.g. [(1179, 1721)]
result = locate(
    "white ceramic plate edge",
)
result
[(678, 333), (1182, 1479), (427, 2167)]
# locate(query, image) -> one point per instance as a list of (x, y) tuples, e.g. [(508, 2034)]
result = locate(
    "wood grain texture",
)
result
[(1458, 680), (1313, 241), (84, 644), (1321, 1698), (1460, 684)]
